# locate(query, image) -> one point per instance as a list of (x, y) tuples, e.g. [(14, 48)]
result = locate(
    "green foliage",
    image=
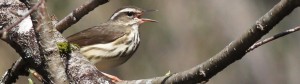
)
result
[(65, 47)]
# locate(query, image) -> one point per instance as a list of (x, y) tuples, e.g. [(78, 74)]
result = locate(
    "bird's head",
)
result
[(130, 16)]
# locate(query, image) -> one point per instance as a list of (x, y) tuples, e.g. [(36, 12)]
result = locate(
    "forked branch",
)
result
[(273, 38)]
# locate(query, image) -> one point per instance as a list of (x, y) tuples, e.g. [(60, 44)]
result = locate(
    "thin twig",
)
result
[(289, 31), (77, 14), (3, 33)]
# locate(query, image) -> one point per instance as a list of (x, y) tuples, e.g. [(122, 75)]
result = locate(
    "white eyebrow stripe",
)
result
[(121, 11)]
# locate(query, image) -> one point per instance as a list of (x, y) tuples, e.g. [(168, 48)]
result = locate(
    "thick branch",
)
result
[(65, 67), (77, 14), (20, 35), (233, 52), (39, 49), (48, 37), (3, 33)]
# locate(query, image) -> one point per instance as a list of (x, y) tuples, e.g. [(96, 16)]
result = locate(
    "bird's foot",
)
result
[(112, 77)]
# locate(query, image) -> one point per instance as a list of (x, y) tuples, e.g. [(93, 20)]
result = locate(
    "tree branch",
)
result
[(77, 14), (40, 50), (18, 68), (233, 52), (20, 35), (273, 38), (3, 32), (48, 38), (65, 67)]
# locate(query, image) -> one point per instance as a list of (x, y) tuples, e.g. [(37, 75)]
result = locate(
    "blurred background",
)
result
[(190, 32)]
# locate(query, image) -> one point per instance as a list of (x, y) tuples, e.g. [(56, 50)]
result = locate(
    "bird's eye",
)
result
[(129, 13)]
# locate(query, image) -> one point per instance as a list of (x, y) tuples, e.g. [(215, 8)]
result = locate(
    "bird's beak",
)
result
[(147, 20), (143, 20), (152, 10)]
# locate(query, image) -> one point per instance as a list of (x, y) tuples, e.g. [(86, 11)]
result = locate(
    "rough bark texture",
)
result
[(38, 48), (21, 36)]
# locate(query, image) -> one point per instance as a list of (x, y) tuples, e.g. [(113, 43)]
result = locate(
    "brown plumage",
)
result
[(104, 33), (111, 43)]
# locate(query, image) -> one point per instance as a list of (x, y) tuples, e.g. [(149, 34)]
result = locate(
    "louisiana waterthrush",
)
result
[(112, 43)]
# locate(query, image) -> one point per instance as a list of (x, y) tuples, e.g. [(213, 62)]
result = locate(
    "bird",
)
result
[(113, 42)]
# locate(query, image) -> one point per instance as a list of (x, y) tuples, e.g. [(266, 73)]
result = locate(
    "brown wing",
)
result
[(98, 34)]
